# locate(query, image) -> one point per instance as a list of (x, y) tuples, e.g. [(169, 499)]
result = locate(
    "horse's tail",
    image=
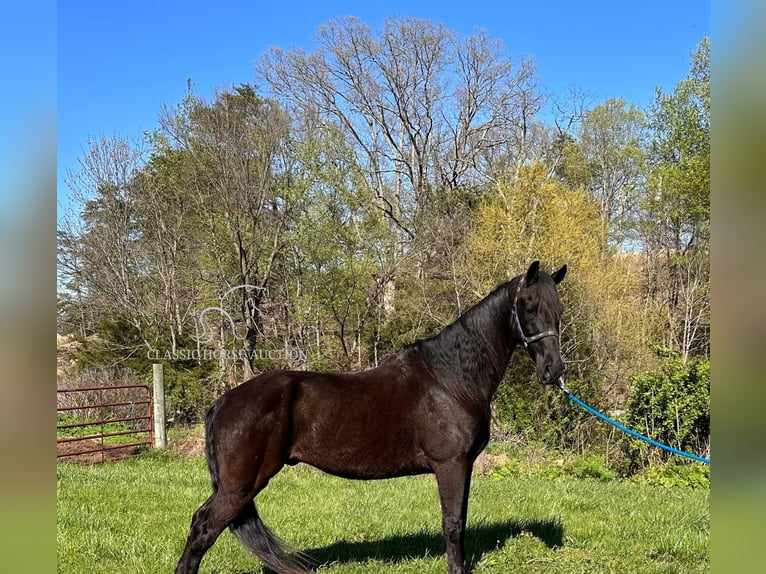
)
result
[(251, 531), (212, 462)]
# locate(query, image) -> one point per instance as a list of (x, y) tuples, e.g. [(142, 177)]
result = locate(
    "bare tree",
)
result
[(100, 253), (420, 105)]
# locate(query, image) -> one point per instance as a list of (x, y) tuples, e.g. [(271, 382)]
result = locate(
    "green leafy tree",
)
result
[(611, 143), (676, 223), (237, 148), (338, 250)]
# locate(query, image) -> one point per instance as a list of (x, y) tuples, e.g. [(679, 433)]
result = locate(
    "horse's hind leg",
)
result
[(208, 522), (247, 525), (237, 484), (245, 448)]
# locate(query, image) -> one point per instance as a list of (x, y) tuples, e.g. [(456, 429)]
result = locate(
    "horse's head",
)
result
[(536, 318)]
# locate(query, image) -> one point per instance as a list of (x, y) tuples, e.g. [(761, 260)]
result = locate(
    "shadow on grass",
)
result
[(479, 540)]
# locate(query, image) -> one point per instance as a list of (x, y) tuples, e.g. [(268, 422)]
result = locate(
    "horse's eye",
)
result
[(532, 311)]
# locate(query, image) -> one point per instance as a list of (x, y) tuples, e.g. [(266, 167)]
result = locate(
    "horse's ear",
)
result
[(558, 276), (532, 272)]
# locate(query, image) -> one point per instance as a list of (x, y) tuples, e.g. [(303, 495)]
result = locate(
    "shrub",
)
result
[(672, 405), (590, 466), (679, 475), (524, 408), (510, 470), (189, 393)]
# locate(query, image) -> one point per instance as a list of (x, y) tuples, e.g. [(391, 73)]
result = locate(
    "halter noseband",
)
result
[(524, 339)]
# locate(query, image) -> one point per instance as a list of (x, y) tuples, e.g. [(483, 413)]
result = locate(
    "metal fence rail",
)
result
[(109, 407)]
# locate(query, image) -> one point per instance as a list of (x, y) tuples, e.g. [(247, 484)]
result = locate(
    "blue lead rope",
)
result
[(590, 409)]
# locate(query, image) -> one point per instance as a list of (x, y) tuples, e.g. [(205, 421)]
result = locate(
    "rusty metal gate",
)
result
[(89, 420)]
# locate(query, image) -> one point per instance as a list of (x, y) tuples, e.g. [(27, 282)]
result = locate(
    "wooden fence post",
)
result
[(160, 438)]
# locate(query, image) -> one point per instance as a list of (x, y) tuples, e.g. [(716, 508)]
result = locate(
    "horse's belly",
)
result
[(361, 452), (365, 469), (360, 471)]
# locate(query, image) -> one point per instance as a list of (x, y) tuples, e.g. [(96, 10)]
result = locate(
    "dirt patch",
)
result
[(488, 462), (189, 446), (69, 451)]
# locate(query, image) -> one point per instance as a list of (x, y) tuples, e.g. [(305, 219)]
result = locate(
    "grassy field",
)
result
[(133, 516)]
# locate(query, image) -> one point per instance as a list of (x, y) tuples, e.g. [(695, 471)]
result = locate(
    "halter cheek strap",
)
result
[(532, 338)]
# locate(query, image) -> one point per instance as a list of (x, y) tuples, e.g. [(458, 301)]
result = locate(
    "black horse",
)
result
[(425, 409)]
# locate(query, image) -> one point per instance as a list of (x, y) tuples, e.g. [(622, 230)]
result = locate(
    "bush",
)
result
[(524, 408), (189, 392), (590, 466), (678, 475), (510, 470), (671, 405)]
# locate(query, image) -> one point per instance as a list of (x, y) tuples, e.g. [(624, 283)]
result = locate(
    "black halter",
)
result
[(524, 339)]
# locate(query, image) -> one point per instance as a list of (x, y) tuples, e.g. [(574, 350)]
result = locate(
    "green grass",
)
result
[(133, 516)]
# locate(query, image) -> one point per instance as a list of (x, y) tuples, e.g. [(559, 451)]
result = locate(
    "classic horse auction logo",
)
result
[(208, 332), (217, 321)]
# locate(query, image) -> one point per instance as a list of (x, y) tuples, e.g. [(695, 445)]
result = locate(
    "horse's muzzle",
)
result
[(550, 371)]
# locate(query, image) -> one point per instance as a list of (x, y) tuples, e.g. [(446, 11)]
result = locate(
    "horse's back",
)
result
[(360, 425)]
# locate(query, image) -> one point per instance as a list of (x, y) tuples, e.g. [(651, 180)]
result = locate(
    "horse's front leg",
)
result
[(454, 479)]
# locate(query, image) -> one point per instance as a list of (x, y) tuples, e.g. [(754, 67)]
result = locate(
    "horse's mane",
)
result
[(470, 355)]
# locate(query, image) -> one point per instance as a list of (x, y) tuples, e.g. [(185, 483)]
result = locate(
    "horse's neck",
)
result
[(499, 347), (484, 334), (490, 329)]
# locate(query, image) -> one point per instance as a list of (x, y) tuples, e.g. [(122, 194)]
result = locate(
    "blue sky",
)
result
[(118, 61)]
